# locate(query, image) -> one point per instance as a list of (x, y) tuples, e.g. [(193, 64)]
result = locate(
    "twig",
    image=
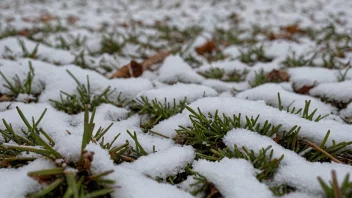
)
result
[(337, 191), (311, 144)]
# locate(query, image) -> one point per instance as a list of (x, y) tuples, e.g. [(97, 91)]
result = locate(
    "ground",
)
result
[(156, 98)]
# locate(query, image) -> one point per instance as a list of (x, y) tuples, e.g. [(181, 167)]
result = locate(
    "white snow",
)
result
[(179, 92), (233, 177), (339, 91), (310, 76), (149, 27), (289, 173), (174, 69), (269, 93), (163, 163)]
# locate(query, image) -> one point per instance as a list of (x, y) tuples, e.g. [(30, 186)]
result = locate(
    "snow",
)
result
[(179, 92), (164, 163), (174, 69), (44, 52), (347, 113), (288, 173), (144, 27), (237, 181), (15, 182), (269, 93), (133, 184), (308, 76), (339, 91)]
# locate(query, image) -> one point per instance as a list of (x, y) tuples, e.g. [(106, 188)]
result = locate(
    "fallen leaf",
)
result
[(24, 32), (87, 159), (5, 98), (305, 89), (46, 17), (157, 58), (292, 29), (72, 19), (277, 76), (133, 69), (207, 47), (277, 138), (275, 36), (9, 19)]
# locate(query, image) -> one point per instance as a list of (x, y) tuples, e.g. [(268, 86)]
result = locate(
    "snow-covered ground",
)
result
[(270, 66)]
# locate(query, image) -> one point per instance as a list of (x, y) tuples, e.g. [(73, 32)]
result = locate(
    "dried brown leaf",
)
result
[(5, 98), (277, 76), (207, 47), (133, 69), (72, 19), (157, 58), (305, 89)]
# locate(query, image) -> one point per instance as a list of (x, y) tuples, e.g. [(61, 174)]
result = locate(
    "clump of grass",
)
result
[(73, 104), (71, 42), (333, 189), (302, 60), (305, 112), (7, 32), (214, 73), (254, 55), (157, 111), (27, 54), (235, 76), (112, 45), (19, 87), (310, 151), (202, 186), (68, 179), (342, 76), (80, 60), (219, 73), (330, 61), (260, 78), (228, 37), (175, 35), (207, 132), (281, 190)]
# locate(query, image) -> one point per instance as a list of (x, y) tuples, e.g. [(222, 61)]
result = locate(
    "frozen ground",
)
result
[(206, 98)]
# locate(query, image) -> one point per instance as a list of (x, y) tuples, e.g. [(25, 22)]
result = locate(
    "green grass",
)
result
[(17, 86), (75, 103), (155, 110), (253, 55)]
